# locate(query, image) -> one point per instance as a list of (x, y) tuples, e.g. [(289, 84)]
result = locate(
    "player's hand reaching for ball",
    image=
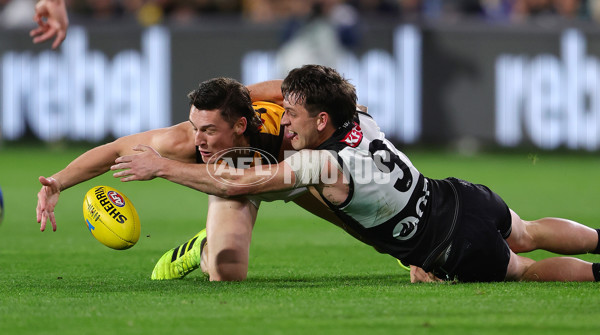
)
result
[(142, 166), (47, 199), (418, 275)]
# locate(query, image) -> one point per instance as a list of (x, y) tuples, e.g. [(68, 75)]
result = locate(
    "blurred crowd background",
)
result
[(434, 71), (15, 13)]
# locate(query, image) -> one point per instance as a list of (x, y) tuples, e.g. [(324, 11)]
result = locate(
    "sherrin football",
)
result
[(111, 217)]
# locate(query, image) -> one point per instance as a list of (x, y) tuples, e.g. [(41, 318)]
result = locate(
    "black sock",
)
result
[(597, 250), (596, 271)]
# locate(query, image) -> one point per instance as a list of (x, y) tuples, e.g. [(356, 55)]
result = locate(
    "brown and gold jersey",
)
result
[(271, 133), (270, 137)]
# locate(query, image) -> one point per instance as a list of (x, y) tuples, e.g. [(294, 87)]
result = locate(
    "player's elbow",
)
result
[(235, 186), (233, 191), (221, 189), (239, 188)]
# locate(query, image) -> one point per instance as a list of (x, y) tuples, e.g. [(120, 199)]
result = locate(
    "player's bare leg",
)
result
[(229, 232), (229, 225), (550, 269), (221, 250), (552, 234)]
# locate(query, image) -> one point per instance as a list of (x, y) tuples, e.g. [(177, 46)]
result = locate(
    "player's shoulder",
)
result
[(269, 107), (175, 142), (180, 133), (270, 115)]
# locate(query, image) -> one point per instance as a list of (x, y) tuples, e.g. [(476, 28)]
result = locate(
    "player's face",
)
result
[(212, 134), (300, 128)]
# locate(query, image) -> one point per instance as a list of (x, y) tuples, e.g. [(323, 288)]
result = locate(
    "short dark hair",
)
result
[(230, 97), (321, 88)]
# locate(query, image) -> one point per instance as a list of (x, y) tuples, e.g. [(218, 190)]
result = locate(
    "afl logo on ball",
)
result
[(116, 198)]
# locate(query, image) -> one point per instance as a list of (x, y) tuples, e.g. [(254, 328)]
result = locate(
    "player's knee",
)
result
[(229, 265), (521, 243), (517, 267), (520, 238)]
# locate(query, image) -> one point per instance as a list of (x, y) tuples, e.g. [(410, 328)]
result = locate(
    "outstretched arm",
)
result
[(303, 168), (174, 142), (216, 179), (51, 17), (269, 90)]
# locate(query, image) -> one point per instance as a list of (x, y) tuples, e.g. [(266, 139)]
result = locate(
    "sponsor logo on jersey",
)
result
[(353, 138), (407, 227)]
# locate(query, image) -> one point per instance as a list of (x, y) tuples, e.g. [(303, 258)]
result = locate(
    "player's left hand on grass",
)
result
[(47, 199), (418, 275), (140, 166), (51, 17)]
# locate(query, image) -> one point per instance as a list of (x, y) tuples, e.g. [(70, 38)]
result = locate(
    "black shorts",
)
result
[(479, 251)]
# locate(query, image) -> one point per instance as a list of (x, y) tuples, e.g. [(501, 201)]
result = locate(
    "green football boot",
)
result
[(178, 262)]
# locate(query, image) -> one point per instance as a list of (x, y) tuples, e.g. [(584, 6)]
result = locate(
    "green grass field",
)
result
[(306, 276)]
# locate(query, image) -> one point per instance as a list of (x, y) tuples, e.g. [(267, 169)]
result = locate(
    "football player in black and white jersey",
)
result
[(449, 229)]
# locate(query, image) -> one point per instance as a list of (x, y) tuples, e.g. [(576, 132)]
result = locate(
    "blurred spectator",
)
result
[(497, 10), (341, 17), (319, 32), (594, 9), (564, 9), (377, 7), (531, 8), (103, 9), (132, 6), (185, 11), (148, 13), (17, 13), (259, 11), (411, 9), (569, 8), (341, 13)]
